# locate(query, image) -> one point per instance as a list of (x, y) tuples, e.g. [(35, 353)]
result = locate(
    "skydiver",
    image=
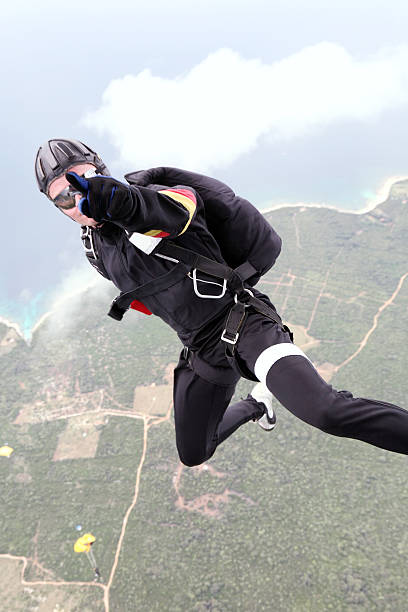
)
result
[(139, 236)]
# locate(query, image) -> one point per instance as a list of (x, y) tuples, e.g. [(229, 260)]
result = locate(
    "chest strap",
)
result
[(233, 276), (122, 302), (187, 261)]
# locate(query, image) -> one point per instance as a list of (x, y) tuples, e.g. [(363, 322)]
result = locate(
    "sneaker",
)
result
[(262, 395)]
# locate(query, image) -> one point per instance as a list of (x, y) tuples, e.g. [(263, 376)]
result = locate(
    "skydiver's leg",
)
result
[(203, 416), (293, 380)]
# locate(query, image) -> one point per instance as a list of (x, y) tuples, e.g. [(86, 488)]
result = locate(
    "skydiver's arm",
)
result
[(168, 212), (137, 209)]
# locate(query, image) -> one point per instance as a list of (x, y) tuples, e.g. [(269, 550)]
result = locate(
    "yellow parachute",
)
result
[(5, 451), (83, 544)]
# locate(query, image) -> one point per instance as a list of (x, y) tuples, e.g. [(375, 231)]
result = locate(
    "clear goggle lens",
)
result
[(66, 199)]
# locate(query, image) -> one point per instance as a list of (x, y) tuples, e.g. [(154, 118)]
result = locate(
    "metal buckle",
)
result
[(234, 341), (202, 295), (248, 291), (86, 233)]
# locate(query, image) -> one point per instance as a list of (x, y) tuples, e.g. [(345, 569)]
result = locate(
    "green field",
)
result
[(291, 521)]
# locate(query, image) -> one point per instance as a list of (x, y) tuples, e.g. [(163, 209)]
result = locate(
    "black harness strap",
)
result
[(204, 264), (233, 324), (235, 278), (186, 261), (122, 302), (237, 315), (264, 309)]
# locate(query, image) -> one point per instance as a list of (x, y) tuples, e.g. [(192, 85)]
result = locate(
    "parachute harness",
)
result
[(189, 263), (88, 242), (235, 320), (244, 298)]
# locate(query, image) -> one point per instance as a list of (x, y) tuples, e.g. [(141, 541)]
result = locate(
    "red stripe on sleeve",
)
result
[(185, 192)]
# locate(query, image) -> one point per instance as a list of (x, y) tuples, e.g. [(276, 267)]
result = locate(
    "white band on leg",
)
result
[(271, 355)]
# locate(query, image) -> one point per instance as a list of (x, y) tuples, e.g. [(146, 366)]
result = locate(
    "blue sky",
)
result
[(285, 101)]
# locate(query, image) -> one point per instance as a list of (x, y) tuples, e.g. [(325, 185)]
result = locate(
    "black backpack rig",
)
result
[(248, 244)]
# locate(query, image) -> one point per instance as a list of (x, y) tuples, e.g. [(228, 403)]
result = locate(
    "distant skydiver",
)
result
[(84, 545), (183, 247)]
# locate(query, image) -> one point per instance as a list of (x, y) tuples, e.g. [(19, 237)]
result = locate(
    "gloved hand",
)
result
[(104, 197)]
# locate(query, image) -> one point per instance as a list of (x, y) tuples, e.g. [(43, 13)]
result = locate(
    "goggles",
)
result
[(66, 199)]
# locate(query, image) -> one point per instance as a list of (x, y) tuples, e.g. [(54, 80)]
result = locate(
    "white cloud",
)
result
[(66, 299), (219, 110)]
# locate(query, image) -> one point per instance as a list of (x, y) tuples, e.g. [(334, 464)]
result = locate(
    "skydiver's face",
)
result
[(59, 184)]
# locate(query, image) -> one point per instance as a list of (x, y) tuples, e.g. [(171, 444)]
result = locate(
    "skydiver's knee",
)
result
[(192, 457), (191, 461)]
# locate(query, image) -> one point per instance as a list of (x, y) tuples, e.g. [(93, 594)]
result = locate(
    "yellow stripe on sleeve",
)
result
[(188, 204)]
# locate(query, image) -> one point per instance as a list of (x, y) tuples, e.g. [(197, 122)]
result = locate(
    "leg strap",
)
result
[(244, 298), (235, 320)]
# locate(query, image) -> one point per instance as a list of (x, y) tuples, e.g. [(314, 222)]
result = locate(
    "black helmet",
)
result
[(55, 156)]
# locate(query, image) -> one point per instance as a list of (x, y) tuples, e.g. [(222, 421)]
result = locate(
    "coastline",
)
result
[(13, 325), (381, 196), (56, 304)]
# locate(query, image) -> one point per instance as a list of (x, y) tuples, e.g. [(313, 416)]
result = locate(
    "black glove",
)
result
[(105, 198)]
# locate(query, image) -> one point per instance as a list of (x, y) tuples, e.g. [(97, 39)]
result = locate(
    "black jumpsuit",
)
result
[(204, 380)]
